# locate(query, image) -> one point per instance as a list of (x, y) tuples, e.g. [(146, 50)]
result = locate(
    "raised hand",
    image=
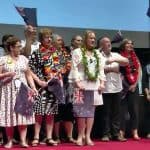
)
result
[(30, 31)]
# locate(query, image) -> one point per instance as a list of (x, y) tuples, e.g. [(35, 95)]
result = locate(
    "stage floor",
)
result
[(143, 144)]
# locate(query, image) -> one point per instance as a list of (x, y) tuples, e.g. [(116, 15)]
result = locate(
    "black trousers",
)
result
[(130, 108), (111, 114)]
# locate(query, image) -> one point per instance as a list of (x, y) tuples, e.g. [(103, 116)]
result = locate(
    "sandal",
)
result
[(35, 142), (51, 142)]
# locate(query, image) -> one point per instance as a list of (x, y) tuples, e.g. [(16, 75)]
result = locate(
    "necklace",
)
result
[(90, 76), (131, 70), (11, 61), (47, 50)]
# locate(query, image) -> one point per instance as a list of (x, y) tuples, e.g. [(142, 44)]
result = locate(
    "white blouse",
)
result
[(77, 69)]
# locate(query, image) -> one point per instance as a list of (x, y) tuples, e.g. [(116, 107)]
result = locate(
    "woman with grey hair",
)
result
[(65, 114)]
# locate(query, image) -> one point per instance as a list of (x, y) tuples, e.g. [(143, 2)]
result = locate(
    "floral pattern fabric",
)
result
[(47, 65)]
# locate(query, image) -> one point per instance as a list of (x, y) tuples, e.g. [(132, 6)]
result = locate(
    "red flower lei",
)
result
[(44, 52), (131, 70), (51, 49)]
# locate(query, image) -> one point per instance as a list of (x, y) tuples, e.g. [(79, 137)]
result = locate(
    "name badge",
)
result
[(17, 83)]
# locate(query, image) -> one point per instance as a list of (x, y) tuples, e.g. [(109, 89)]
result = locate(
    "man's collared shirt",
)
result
[(113, 80)]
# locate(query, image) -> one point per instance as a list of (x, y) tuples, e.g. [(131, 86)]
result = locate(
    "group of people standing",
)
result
[(89, 77)]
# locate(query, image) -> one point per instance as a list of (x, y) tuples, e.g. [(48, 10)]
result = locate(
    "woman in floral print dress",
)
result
[(45, 64)]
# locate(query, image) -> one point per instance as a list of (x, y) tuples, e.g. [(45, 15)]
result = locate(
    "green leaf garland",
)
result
[(90, 76)]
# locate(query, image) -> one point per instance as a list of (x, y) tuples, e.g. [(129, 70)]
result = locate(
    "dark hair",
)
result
[(74, 38), (11, 42), (5, 38)]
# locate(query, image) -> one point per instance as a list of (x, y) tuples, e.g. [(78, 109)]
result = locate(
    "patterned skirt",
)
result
[(45, 103), (83, 105)]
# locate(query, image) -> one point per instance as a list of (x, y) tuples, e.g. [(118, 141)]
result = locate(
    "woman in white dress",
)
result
[(87, 74), (17, 64)]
